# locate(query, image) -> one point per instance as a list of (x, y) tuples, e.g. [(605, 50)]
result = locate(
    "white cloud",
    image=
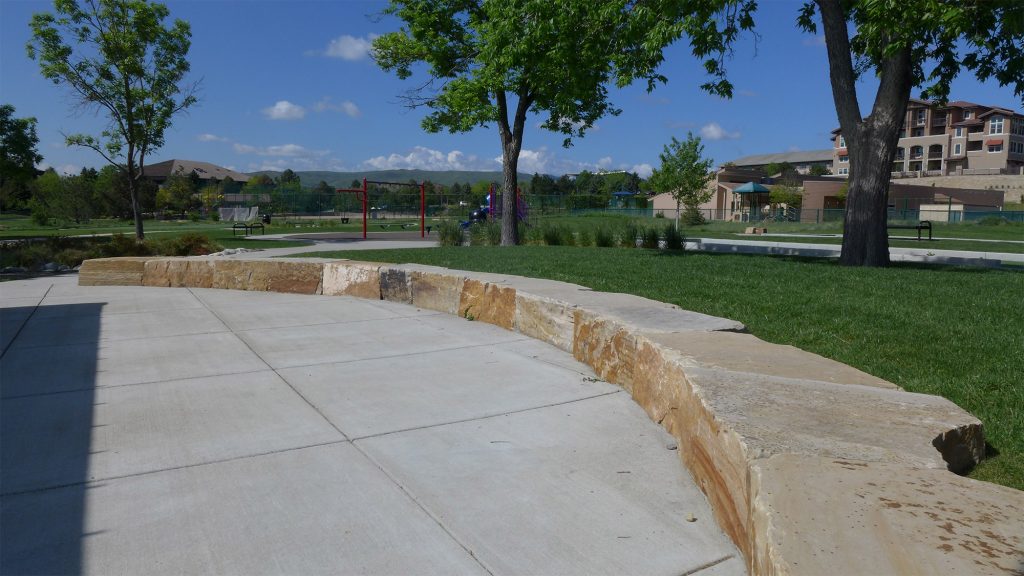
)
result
[(211, 138), (604, 163), (345, 107), (713, 131), (65, 169), (642, 170), (815, 40), (423, 158), (283, 150), (285, 110), (349, 47)]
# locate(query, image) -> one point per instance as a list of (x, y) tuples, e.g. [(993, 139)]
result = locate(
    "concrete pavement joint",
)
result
[(126, 385), (488, 416), (25, 322), (711, 564), (132, 339), (170, 469), (406, 355), (425, 510), (276, 373)]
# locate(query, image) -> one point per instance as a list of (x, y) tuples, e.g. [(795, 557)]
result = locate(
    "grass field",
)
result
[(955, 332)]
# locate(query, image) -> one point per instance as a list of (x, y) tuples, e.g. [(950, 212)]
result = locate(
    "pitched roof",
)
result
[(204, 170), (798, 157)]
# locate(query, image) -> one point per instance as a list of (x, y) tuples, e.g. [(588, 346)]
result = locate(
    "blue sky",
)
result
[(289, 84)]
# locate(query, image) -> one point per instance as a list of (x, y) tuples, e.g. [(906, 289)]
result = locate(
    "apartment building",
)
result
[(958, 138)]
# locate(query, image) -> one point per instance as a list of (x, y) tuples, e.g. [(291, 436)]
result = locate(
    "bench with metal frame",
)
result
[(247, 228), (924, 225)]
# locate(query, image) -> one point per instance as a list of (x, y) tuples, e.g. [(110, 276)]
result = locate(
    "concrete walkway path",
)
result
[(188, 431)]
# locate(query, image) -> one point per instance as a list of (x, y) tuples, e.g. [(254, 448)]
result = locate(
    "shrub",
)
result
[(993, 221), (603, 237), (628, 234), (493, 230), (450, 233), (121, 245), (478, 234), (534, 235), (583, 238), (552, 235), (649, 237), (71, 256), (191, 244), (215, 215), (659, 214), (674, 239), (692, 216), (193, 216)]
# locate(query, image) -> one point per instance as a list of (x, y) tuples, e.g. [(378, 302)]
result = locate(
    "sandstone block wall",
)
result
[(811, 466)]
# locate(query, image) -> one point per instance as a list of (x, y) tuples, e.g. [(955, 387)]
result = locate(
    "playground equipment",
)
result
[(494, 206), (364, 195)]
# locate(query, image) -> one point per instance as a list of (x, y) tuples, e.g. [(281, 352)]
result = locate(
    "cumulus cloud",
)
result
[(349, 47), (713, 131), (285, 110), (345, 107), (642, 170), (211, 138), (424, 158)]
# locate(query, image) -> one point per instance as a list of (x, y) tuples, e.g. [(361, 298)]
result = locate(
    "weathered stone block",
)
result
[(179, 272), (489, 303), (123, 271), (395, 285), (547, 320), (817, 515), (295, 277), (359, 279), (433, 291), (604, 345), (748, 353)]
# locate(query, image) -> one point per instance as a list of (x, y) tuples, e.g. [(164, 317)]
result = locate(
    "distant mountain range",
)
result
[(445, 178)]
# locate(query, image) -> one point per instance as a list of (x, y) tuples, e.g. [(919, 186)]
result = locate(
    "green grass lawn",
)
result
[(955, 332)]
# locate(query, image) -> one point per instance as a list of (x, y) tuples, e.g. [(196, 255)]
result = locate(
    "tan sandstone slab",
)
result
[(489, 303), (122, 271), (828, 516), (179, 272), (297, 277), (359, 279), (747, 353), (434, 291)]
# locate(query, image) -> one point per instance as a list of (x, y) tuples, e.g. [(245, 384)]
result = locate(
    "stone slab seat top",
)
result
[(809, 465)]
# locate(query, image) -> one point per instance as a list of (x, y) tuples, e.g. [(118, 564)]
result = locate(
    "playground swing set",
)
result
[(364, 195)]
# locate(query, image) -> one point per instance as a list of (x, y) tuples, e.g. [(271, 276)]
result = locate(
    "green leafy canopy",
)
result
[(684, 172)]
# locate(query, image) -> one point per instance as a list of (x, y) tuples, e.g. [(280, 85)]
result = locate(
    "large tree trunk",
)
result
[(510, 175), (871, 141), (133, 193)]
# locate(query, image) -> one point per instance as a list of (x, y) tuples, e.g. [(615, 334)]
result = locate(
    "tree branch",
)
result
[(840, 64)]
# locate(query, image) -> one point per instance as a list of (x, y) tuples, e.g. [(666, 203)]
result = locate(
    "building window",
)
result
[(995, 147), (916, 151), (995, 125), (959, 131), (842, 141), (920, 116), (956, 149), (844, 159), (844, 171), (968, 114), (900, 153), (918, 132)]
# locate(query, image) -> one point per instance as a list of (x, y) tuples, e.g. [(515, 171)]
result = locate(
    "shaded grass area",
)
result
[(954, 332)]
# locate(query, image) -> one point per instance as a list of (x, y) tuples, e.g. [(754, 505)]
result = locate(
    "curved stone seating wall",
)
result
[(811, 466)]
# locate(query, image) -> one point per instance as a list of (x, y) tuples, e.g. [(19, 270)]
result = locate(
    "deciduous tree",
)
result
[(684, 173), (18, 157), (493, 62), (905, 43), (118, 57)]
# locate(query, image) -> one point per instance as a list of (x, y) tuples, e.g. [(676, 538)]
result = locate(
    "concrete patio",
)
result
[(189, 430)]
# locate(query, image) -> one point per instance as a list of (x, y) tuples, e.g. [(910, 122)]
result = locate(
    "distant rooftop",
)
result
[(205, 170), (798, 157)]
